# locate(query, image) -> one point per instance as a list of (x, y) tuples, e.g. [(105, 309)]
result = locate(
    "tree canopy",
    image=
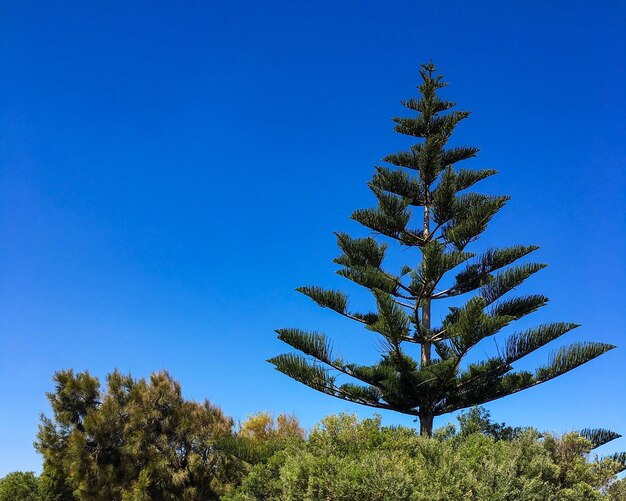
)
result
[(19, 486), (136, 440)]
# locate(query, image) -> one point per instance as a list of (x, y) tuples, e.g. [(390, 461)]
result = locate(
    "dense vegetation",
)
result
[(424, 206), (140, 440), (344, 459)]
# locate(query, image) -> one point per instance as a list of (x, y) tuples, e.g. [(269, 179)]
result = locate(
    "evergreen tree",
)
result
[(425, 182), (137, 439)]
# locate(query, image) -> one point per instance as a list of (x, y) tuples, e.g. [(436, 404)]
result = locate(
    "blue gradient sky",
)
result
[(170, 173)]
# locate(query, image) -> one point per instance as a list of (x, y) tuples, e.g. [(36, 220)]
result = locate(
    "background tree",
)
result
[(136, 440), (427, 183), (19, 486), (478, 420), (261, 435), (262, 426)]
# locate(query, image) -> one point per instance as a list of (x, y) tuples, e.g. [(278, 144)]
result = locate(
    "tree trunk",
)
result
[(426, 344), (426, 425), (426, 419)]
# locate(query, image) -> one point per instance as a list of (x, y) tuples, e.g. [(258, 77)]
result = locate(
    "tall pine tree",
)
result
[(425, 203)]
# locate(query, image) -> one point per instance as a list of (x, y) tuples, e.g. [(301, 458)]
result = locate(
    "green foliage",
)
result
[(423, 205), (263, 427), (261, 435), (135, 440), (344, 459), (19, 486), (617, 490), (620, 457), (599, 436), (478, 420)]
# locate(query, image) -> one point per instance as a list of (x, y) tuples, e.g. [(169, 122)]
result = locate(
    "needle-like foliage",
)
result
[(427, 203)]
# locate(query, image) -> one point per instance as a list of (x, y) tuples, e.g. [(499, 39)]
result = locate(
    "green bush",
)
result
[(346, 460), (19, 486)]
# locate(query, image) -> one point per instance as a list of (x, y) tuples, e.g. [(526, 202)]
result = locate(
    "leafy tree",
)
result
[(136, 440), (427, 183), (263, 426), (344, 459), (478, 420), (19, 486), (261, 435)]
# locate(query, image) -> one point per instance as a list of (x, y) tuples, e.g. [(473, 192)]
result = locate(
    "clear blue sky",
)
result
[(171, 171)]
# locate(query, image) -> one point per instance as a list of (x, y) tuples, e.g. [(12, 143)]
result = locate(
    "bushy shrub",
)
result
[(345, 459), (19, 486)]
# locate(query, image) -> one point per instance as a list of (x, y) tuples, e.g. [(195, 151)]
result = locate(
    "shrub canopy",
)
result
[(346, 459)]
